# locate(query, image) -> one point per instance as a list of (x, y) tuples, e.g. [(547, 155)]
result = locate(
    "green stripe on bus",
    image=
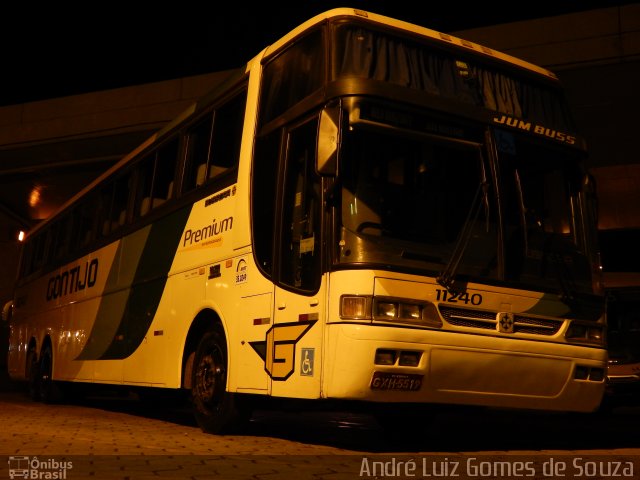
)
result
[(124, 316)]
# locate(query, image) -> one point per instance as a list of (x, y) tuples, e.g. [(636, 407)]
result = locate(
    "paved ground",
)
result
[(125, 439)]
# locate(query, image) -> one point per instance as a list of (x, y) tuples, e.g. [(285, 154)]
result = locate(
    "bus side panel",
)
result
[(61, 305), (202, 246), (248, 373)]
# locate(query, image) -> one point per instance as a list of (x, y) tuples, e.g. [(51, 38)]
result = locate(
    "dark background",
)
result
[(49, 51)]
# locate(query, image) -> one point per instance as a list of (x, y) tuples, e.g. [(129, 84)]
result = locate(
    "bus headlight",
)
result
[(406, 311), (387, 309), (579, 332)]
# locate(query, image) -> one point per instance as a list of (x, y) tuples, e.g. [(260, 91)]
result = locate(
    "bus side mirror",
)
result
[(328, 140), (6, 311)]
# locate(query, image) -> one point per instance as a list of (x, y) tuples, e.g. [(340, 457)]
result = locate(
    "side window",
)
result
[(144, 183), (227, 135), (291, 76), (263, 197), (155, 178), (84, 219), (114, 200), (213, 143), (164, 181), (104, 209), (198, 144), (122, 188), (27, 258), (39, 251), (300, 245), (61, 237)]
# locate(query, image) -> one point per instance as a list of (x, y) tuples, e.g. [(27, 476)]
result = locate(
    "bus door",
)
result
[(299, 301)]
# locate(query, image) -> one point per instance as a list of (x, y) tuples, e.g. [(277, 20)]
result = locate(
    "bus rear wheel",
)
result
[(48, 390), (33, 375), (216, 410)]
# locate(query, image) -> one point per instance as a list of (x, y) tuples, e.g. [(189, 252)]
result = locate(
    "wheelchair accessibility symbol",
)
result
[(306, 362)]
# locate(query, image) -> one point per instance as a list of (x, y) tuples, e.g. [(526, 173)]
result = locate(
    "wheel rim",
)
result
[(210, 378)]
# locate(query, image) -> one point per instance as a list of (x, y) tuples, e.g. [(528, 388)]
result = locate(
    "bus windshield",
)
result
[(410, 199), (405, 201)]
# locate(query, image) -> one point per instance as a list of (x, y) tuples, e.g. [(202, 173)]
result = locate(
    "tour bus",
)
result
[(368, 211)]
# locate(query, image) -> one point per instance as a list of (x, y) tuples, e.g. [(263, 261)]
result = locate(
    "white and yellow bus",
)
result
[(368, 211)]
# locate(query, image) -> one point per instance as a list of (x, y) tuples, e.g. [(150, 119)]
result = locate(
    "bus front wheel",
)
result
[(216, 410)]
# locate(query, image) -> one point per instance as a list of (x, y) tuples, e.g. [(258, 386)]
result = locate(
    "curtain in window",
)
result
[(368, 54)]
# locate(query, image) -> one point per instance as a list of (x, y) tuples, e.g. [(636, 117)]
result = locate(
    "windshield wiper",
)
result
[(447, 276)]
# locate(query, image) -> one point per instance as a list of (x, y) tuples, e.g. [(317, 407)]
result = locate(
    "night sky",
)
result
[(49, 52)]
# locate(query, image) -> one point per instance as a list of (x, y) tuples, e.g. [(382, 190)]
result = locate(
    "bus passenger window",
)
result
[(165, 172), (227, 136), (84, 218), (121, 191), (38, 259), (198, 143), (61, 231), (144, 182), (104, 209), (213, 144)]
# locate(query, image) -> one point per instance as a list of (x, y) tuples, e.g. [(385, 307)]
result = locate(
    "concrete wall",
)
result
[(141, 107)]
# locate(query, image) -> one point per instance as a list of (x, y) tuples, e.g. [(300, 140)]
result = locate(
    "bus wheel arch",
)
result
[(205, 321), (206, 366)]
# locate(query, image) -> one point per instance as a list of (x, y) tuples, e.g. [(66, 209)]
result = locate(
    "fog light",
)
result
[(581, 373), (596, 375), (385, 357), (410, 359)]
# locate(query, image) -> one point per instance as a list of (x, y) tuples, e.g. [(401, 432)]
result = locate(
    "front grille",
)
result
[(536, 326), (464, 317)]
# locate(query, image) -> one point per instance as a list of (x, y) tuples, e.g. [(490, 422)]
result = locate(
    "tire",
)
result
[(33, 375), (48, 390), (216, 410)]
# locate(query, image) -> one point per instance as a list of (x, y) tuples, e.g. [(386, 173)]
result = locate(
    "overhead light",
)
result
[(35, 196)]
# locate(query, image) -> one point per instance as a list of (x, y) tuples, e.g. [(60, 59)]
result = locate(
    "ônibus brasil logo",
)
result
[(34, 468)]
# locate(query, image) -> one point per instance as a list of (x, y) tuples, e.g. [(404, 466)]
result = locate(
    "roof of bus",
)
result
[(427, 32)]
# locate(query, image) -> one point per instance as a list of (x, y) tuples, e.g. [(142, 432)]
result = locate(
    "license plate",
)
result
[(396, 381)]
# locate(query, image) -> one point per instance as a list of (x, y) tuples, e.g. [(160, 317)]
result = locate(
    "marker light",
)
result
[(355, 307)]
